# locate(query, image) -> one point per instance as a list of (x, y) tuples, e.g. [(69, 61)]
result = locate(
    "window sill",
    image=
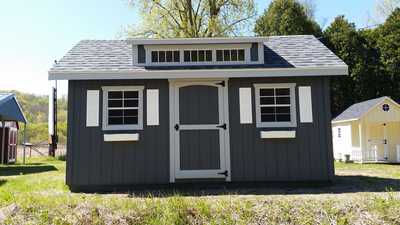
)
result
[(121, 137), (276, 124), (277, 134)]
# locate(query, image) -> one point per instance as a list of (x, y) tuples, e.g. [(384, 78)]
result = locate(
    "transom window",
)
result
[(122, 108), (275, 105), (230, 55), (165, 56), (197, 55)]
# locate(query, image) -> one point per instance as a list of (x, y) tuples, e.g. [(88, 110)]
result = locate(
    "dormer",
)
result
[(198, 51)]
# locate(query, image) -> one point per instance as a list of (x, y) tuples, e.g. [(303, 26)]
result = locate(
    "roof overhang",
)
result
[(180, 41), (198, 73), (345, 121), (10, 110)]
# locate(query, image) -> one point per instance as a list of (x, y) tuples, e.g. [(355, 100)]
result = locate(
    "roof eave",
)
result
[(198, 73), (344, 121), (174, 41)]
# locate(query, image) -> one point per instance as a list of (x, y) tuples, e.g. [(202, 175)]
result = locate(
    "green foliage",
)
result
[(36, 110), (41, 197), (197, 18), (373, 57), (286, 17), (388, 42), (353, 48)]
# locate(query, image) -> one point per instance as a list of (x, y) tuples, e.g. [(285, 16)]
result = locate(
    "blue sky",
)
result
[(35, 33)]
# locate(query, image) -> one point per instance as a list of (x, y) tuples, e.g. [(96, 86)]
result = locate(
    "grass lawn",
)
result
[(362, 194)]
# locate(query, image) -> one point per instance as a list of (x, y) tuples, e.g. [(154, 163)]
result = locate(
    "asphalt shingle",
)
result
[(299, 51), (358, 110)]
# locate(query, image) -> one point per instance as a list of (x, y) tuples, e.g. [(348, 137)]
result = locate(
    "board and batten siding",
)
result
[(93, 162), (307, 157)]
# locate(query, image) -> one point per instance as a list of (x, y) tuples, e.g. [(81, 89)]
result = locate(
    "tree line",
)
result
[(372, 54)]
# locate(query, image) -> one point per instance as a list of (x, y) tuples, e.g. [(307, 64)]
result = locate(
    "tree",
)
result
[(354, 49), (385, 7), (286, 17), (388, 43), (192, 18)]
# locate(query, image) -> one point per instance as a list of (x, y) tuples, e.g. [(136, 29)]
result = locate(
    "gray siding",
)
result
[(93, 162), (307, 157), (141, 54), (254, 52)]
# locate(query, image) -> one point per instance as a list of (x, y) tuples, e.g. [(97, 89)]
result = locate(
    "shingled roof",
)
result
[(358, 110), (116, 55)]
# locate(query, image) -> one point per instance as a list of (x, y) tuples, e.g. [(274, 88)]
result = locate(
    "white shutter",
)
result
[(305, 103), (246, 115), (152, 108), (92, 108)]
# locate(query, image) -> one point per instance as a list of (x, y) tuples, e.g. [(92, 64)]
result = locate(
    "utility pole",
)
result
[(53, 139)]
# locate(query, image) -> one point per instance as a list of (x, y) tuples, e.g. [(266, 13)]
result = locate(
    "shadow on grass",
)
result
[(25, 169), (2, 182), (341, 184)]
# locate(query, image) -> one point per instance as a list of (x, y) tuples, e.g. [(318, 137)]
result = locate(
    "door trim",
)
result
[(174, 84)]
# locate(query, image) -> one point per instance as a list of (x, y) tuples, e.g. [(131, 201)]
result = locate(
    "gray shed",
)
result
[(162, 111)]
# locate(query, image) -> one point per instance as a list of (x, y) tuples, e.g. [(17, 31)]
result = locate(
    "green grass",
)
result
[(41, 197)]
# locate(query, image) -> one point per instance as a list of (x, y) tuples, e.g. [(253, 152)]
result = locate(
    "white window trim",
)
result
[(292, 87), (138, 126)]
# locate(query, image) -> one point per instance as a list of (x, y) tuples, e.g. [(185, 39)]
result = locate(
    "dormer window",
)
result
[(165, 56), (197, 55), (230, 55)]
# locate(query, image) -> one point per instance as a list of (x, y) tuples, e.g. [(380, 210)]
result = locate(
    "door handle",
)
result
[(225, 173), (222, 126)]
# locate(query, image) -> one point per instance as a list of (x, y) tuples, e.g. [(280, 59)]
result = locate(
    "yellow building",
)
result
[(368, 132)]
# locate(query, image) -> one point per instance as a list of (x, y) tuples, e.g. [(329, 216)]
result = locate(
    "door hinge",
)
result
[(225, 173), (222, 83), (176, 127), (222, 126)]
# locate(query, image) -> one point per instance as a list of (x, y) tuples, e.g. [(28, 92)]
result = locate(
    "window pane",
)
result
[(115, 103), (194, 55), (282, 91), (131, 103), (154, 56), (267, 92), (115, 112), (266, 110), (201, 56), (267, 101), (208, 55), (161, 56), (130, 120), (186, 55), (282, 100), (114, 94), (131, 94), (177, 56), (234, 55), (130, 112), (285, 110), (267, 118), (169, 56), (219, 55), (241, 55), (115, 120), (227, 55), (283, 117)]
